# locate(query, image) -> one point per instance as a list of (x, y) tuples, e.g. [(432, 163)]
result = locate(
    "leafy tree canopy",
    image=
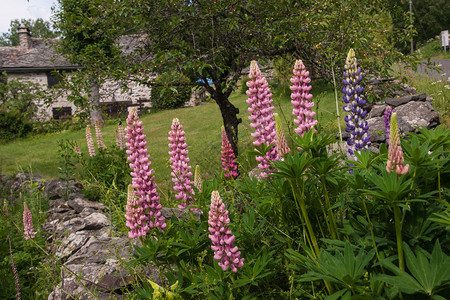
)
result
[(430, 17), (216, 40), (38, 28)]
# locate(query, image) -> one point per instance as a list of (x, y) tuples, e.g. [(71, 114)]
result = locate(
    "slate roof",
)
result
[(40, 56)]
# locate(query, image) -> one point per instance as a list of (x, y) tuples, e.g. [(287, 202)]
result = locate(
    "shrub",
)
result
[(12, 125), (165, 96)]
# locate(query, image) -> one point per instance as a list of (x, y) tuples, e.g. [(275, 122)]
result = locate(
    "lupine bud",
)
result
[(27, 223), (387, 121), (134, 211), (99, 135), (282, 146), (198, 179), (121, 136), (181, 171), (90, 141), (221, 236), (148, 216), (353, 98), (395, 156), (304, 117), (262, 120), (228, 159)]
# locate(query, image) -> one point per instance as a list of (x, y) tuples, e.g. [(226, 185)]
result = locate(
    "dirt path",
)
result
[(445, 66)]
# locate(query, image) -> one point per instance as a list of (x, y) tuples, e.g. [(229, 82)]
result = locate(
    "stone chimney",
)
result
[(24, 37)]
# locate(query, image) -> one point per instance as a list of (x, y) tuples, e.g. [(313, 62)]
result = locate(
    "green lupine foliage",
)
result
[(428, 273)]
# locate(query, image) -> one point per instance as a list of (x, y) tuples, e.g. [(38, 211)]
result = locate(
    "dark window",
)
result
[(53, 78), (62, 113)]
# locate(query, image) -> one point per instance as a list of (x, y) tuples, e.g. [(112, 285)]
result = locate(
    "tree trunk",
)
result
[(230, 120), (94, 102)]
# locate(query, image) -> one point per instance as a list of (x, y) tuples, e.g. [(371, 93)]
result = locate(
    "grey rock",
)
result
[(417, 114), (180, 213), (377, 111), (405, 99), (56, 189), (78, 204), (376, 129), (72, 243)]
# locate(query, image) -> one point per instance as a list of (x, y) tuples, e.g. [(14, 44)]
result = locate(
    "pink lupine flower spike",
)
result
[(221, 236), (141, 220), (304, 117), (181, 171), (228, 159), (27, 223), (395, 156), (262, 119)]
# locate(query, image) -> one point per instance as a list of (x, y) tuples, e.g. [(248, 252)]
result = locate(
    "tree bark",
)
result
[(227, 109), (94, 102), (230, 121)]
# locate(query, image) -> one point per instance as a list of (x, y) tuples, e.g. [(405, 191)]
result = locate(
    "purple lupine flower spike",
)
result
[(143, 179), (395, 156), (27, 223), (221, 236), (387, 121), (354, 102), (228, 159), (304, 117), (181, 171), (259, 99)]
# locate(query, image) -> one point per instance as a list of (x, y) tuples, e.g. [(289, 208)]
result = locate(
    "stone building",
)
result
[(35, 60)]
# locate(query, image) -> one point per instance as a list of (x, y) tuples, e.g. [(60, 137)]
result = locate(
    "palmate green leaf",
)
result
[(437, 137), (342, 268), (342, 294), (388, 187), (313, 143), (293, 166), (442, 217), (365, 160), (427, 275)]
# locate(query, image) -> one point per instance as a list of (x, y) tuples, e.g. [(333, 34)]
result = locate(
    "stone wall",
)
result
[(83, 241), (413, 111)]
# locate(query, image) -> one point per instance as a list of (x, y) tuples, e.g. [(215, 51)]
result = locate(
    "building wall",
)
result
[(111, 93)]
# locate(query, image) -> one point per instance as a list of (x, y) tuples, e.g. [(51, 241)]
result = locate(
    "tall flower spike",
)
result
[(27, 223), (395, 157), (282, 146), (90, 141), (120, 136), (198, 179), (99, 135), (221, 236), (143, 181), (134, 211), (387, 121), (181, 171), (359, 138), (304, 117), (262, 120), (228, 160)]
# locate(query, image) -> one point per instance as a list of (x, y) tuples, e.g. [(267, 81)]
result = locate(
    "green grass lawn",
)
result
[(202, 124)]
